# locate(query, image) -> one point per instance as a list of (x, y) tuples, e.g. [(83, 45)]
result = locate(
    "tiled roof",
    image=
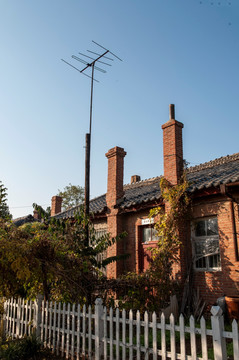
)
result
[(141, 192), (23, 220), (224, 170), (97, 206), (210, 174)]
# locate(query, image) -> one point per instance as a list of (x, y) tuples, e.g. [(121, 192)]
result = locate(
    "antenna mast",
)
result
[(88, 135)]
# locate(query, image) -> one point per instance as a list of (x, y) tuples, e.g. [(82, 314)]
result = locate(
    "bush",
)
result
[(20, 349)]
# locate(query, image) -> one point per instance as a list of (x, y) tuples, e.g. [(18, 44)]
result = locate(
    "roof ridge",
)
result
[(97, 197), (212, 163), (142, 182)]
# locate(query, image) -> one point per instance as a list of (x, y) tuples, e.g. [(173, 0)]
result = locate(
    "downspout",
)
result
[(232, 200)]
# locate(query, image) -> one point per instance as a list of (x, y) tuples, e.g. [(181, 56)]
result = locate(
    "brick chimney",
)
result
[(56, 205), (135, 178), (115, 193), (115, 183), (172, 148)]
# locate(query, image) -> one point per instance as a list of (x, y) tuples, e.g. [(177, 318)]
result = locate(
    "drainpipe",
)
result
[(224, 192)]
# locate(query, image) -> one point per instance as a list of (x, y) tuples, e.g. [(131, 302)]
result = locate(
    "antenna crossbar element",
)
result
[(89, 57), (79, 59), (78, 70), (107, 50), (105, 57), (87, 64)]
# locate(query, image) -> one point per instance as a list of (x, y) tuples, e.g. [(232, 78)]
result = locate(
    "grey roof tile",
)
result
[(224, 170), (141, 192), (97, 206)]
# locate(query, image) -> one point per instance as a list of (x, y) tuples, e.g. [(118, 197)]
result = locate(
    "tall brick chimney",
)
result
[(55, 205), (115, 183), (172, 148), (115, 192)]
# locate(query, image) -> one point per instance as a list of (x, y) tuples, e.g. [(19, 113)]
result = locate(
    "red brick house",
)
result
[(210, 240)]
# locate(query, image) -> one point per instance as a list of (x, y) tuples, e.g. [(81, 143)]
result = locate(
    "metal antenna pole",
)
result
[(88, 135), (87, 161), (91, 95)]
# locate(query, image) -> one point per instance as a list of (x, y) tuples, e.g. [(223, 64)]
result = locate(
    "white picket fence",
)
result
[(75, 332)]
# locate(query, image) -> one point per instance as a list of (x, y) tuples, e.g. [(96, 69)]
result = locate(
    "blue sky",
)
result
[(184, 52)]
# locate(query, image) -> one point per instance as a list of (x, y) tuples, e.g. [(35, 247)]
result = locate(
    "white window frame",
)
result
[(205, 238)]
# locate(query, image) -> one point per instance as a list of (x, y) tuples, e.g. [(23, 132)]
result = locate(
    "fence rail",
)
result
[(77, 332)]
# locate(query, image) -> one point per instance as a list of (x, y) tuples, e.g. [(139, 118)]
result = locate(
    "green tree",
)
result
[(4, 209), (44, 214), (51, 258), (72, 195)]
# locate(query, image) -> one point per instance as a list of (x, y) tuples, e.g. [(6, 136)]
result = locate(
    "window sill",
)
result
[(208, 270)]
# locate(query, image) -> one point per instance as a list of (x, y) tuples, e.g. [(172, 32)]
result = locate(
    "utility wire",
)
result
[(26, 206)]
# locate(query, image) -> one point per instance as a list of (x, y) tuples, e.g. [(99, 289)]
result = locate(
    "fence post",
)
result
[(4, 318), (37, 315), (219, 342), (99, 329), (18, 304)]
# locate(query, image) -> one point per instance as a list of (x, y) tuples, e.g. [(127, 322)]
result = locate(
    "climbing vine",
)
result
[(151, 289)]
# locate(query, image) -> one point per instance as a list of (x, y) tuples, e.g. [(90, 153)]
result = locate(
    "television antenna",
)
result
[(100, 56)]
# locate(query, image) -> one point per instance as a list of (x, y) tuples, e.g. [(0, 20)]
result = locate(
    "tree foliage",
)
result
[(72, 195), (51, 258), (43, 214), (4, 209)]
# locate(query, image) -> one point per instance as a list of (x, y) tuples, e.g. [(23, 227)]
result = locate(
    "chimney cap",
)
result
[(116, 151), (171, 112)]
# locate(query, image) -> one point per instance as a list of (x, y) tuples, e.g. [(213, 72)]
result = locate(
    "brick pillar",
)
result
[(55, 205), (172, 148), (115, 193)]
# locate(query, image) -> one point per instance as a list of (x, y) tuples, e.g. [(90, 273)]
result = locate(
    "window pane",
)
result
[(212, 246), (201, 263), (214, 261), (212, 228), (200, 228), (200, 247), (206, 244), (146, 234), (154, 235)]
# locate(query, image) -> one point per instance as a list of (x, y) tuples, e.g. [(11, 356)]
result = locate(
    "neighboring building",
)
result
[(27, 219), (210, 240)]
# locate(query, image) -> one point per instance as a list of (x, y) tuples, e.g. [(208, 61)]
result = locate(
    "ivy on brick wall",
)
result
[(151, 289)]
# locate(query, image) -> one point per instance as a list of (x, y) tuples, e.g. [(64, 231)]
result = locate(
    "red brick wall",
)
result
[(132, 224), (213, 284), (115, 227)]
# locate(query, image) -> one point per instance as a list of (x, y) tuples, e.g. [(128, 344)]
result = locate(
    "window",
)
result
[(149, 234), (102, 256), (206, 244)]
